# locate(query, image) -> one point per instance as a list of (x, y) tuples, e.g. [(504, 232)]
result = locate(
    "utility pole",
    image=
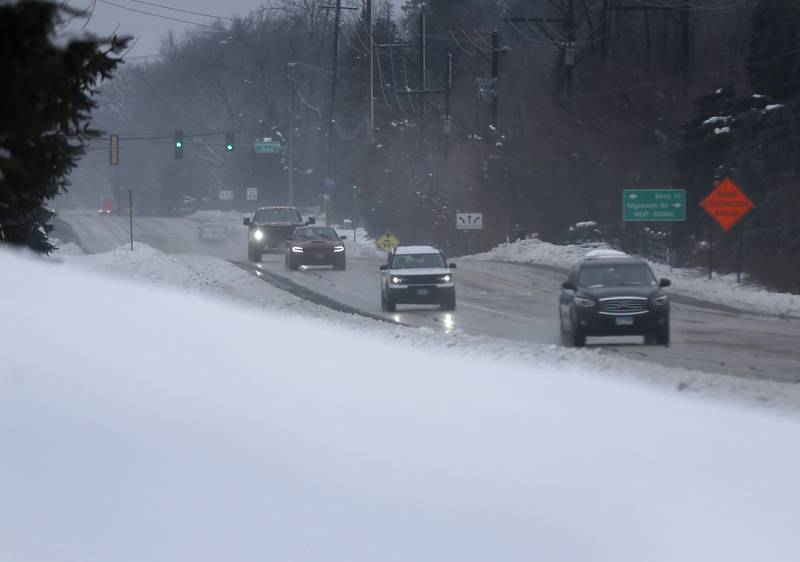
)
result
[(493, 58), (371, 89), (292, 111), (335, 75), (569, 48), (495, 76), (422, 61)]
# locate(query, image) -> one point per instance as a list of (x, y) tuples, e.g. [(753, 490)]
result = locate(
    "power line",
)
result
[(182, 10), (152, 14)]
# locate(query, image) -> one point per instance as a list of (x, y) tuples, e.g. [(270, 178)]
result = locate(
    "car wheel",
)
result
[(662, 336), (574, 336), (253, 254), (449, 302), (340, 265), (390, 304), (292, 265)]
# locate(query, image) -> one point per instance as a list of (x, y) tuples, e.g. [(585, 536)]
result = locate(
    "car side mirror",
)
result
[(384, 267), (311, 220), (342, 237), (569, 286), (452, 266), (246, 221), (664, 283)]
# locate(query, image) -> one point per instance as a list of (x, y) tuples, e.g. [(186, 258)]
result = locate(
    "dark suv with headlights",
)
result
[(270, 227), (614, 296)]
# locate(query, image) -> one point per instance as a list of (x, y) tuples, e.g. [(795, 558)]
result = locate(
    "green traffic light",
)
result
[(229, 147), (178, 144)]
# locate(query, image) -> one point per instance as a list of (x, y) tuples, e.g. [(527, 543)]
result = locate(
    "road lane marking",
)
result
[(506, 314)]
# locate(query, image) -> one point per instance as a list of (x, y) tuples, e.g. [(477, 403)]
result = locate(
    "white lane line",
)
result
[(506, 314)]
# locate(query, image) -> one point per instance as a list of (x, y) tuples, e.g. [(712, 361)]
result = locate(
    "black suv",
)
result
[(270, 227), (614, 296)]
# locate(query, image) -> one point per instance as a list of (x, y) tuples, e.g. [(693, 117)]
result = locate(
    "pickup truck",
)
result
[(270, 227)]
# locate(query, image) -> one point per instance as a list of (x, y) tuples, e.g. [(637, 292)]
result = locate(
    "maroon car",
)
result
[(315, 245)]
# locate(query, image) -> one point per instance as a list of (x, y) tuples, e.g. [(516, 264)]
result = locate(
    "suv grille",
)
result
[(421, 279), (623, 306)]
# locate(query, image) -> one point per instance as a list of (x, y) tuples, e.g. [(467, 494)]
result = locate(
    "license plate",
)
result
[(422, 292), (319, 256), (624, 320)]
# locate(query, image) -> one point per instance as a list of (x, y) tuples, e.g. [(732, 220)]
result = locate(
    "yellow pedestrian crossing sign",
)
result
[(387, 242)]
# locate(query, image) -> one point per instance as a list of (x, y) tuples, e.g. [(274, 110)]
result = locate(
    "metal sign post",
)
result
[(727, 204), (130, 212)]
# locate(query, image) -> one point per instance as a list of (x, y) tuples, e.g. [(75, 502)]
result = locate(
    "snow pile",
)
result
[(213, 433), (721, 289), (535, 251), (363, 247), (66, 248)]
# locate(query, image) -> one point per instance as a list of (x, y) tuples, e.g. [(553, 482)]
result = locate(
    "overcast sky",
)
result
[(150, 20)]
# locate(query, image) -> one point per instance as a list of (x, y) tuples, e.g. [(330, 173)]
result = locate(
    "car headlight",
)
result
[(396, 280), (446, 278), (258, 235), (661, 301), (297, 249), (338, 248), (584, 303)]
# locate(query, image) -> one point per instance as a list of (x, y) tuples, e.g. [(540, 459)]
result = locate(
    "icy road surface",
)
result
[(513, 301)]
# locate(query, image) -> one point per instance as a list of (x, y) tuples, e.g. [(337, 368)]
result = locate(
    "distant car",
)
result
[(212, 232), (586, 234), (106, 206), (270, 227), (612, 294), (315, 245), (417, 275)]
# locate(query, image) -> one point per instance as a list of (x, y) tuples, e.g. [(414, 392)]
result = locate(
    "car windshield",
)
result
[(316, 233), (616, 275), (266, 216), (417, 261)]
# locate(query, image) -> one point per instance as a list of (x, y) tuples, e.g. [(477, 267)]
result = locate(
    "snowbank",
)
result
[(721, 289), (146, 424), (363, 247)]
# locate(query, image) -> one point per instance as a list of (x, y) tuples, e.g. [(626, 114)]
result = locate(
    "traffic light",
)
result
[(229, 142), (178, 144)]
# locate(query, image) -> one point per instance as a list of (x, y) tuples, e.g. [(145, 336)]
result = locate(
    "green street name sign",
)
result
[(267, 147), (654, 205)]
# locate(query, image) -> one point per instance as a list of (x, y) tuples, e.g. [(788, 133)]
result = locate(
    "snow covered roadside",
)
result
[(721, 289), (211, 431)]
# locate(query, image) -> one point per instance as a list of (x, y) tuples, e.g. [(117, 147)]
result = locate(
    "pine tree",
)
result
[(45, 107), (774, 59)]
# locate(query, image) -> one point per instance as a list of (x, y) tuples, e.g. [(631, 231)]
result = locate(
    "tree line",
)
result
[(592, 97)]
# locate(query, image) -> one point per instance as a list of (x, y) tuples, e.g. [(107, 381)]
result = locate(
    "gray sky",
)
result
[(150, 27)]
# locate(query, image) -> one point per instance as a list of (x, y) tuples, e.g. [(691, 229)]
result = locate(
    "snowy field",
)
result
[(148, 422), (721, 289)]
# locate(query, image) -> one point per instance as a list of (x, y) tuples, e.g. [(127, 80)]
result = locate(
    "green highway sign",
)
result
[(267, 147), (654, 205)]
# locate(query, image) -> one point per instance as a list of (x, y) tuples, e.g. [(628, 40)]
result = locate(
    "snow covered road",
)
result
[(517, 302)]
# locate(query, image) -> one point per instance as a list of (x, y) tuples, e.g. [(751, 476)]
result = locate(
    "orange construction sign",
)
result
[(727, 204)]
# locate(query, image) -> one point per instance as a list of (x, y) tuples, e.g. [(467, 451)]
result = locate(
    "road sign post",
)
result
[(469, 221), (727, 204), (387, 242), (654, 205), (267, 146)]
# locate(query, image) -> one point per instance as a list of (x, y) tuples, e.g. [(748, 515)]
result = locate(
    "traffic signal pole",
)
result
[(290, 131)]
